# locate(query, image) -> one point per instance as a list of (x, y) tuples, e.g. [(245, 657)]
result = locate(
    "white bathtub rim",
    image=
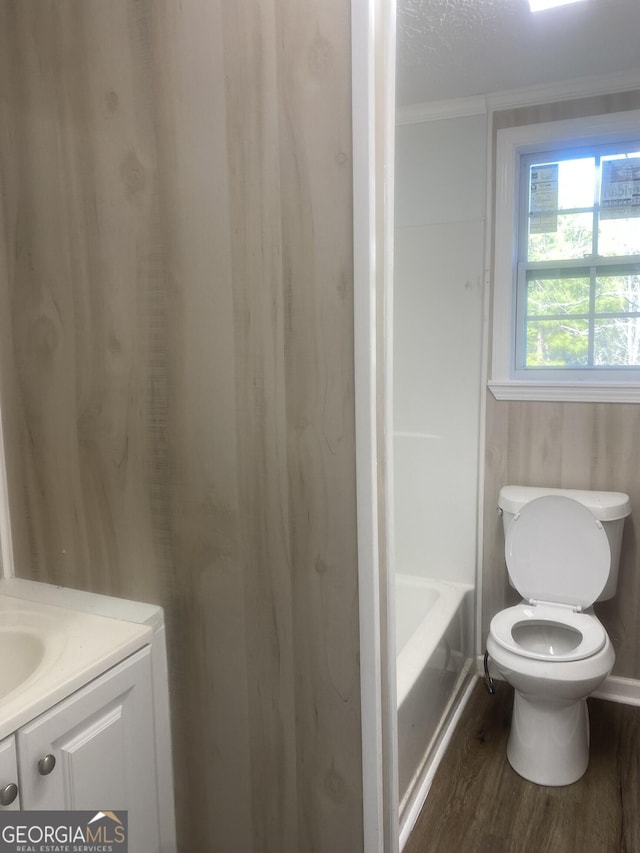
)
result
[(420, 647)]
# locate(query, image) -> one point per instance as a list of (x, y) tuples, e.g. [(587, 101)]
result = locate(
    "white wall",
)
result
[(438, 282)]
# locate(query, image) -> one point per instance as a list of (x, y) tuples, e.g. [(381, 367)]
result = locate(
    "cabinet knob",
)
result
[(46, 764), (8, 794)]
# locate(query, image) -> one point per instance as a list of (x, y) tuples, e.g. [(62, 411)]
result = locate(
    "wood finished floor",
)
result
[(478, 804)]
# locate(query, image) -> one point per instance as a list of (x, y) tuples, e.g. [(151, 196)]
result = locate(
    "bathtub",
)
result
[(433, 639)]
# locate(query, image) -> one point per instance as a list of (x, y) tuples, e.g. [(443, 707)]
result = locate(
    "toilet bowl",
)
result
[(551, 647), (549, 737)]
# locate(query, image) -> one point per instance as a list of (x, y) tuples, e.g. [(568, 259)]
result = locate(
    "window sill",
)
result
[(567, 392)]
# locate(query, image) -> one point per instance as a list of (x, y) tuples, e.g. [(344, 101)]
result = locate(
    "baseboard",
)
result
[(614, 689), (618, 689)]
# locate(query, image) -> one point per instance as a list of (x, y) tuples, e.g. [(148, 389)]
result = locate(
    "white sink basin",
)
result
[(48, 652), (21, 653), (29, 638)]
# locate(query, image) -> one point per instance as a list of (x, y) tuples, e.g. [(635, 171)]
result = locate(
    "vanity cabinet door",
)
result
[(95, 750), (9, 793)]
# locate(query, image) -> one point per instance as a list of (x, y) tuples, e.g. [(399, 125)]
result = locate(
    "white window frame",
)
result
[(512, 143)]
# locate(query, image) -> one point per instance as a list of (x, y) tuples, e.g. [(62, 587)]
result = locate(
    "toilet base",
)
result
[(549, 741)]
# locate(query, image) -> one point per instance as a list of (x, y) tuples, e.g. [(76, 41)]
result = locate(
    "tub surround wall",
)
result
[(566, 445), (438, 304), (437, 342), (176, 319)]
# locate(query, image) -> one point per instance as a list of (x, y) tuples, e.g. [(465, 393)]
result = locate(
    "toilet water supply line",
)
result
[(487, 678)]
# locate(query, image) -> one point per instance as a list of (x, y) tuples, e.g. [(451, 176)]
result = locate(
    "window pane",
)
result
[(617, 342), (572, 239), (557, 296), (618, 237), (564, 185), (577, 183), (618, 294), (557, 343)]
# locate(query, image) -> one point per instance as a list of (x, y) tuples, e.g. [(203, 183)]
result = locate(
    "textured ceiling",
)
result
[(458, 48)]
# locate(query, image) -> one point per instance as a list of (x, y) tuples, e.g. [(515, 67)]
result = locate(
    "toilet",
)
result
[(562, 549)]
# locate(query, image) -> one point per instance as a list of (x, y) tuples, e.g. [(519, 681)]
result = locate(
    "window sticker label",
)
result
[(620, 188), (543, 199)]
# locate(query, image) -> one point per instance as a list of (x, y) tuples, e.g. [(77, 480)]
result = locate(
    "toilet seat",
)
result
[(548, 618), (558, 557), (557, 551)]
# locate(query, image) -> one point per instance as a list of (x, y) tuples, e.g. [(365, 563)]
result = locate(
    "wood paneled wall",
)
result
[(177, 376), (567, 445)]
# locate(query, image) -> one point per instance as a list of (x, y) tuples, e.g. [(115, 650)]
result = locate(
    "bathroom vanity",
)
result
[(84, 716)]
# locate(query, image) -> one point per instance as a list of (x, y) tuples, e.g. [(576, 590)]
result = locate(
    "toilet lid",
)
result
[(557, 551)]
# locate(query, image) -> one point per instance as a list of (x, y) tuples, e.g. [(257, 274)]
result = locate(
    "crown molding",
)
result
[(438, 110), (566, 90)]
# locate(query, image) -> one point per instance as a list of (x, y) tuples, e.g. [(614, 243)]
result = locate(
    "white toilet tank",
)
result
[(610, 508)]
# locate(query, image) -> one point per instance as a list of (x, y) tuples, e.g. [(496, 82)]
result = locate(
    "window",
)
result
[(567, 261)]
